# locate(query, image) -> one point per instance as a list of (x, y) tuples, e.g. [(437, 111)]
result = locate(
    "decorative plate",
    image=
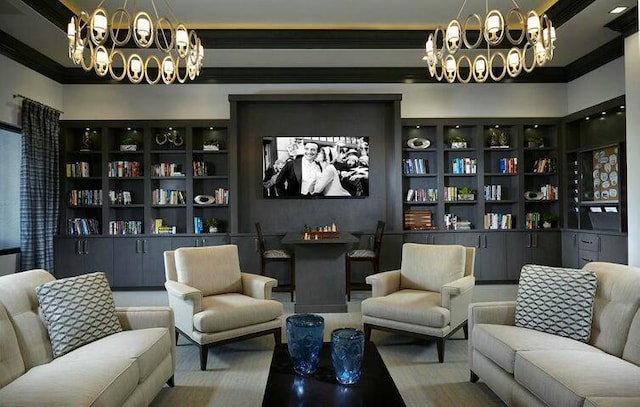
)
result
[(418, 143)]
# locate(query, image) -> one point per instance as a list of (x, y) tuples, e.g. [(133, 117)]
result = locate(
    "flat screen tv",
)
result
[(315, 167)]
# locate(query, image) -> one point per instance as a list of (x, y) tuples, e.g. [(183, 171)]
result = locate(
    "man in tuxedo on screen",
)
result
[(299, 174)]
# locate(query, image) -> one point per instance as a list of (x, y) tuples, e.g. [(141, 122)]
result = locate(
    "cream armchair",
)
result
[(428, 297), (214, 302)]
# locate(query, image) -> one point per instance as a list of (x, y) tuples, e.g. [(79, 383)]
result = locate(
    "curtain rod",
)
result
[(17, 95)]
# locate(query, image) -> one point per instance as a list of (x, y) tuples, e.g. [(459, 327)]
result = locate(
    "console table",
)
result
[(320, 272)]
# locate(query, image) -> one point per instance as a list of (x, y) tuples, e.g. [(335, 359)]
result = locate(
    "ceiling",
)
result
[(302, 34)]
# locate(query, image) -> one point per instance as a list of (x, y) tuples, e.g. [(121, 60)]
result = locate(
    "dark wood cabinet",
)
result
[(76, 256), (139, 261), (490, 262), (531, 247)]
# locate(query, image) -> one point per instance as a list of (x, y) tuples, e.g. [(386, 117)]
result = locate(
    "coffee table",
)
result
[(287, 388)]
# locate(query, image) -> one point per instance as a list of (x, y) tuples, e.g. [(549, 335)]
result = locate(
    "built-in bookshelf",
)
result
[(126, 178), (477, 173)]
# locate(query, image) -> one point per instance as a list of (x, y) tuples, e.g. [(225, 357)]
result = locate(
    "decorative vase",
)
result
[(304, 337), (347, 349), (459, 144), (213, 229), (546, 224)]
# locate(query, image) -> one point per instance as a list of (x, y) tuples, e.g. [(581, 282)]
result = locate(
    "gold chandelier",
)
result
[(95, 43), (532, 47)]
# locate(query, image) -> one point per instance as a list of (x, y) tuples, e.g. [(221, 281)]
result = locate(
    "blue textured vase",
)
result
[(347, 349), (304, 337)]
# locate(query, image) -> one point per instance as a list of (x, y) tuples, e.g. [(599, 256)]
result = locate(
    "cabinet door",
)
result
[(98, 256), (421, 238), (613, 249), (213, 240), (69, 260), (153, 260), (442, 238), (490, 257), (546, 248), (519, 247), (127, 262), (570, 257)]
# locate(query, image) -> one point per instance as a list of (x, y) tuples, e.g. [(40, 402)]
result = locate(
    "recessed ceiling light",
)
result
[(417, 127), (457, 126), (603, 113), (622, 107), (618, 10), (535, 126), (587, 118)]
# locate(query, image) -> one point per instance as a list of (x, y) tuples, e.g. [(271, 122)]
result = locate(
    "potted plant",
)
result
[(535, 141), (458, 141), (128, 143), (212, 225), (211, 145), (549, 220), (466, 194)]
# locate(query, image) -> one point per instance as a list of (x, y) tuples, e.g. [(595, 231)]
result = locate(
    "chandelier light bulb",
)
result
[(451, 65), (493, 24), (533, 25), (100, 23), (545, 34), (136, 66), (514, 59), (168, 67), (453, 33), (182, 38), (480, 66), (71, 29), (102, 58), (143, 27)]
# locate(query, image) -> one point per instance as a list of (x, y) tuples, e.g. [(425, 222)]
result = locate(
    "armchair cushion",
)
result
[(212, 270), (410, 306), (77, 311), (429, 267), (556, 300), (229, 311)]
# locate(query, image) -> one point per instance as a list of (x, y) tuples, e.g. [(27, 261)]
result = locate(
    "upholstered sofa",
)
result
[(525, 367), (127, 368)]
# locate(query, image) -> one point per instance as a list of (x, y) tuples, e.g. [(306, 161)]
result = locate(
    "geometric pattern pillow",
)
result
[(77, 311), (556, 300)]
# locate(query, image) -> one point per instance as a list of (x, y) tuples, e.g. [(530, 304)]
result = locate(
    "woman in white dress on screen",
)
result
[(328, 184)]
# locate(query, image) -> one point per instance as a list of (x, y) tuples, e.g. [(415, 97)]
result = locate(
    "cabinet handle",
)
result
[(528, 239), (535, 240), (485, 241), (598, 243), (78, 247), (575, 240), (195, 242), (587, 260), (479, 241), (587, 241), (85, 247), (144, 245), (204, 242), (137, 246)]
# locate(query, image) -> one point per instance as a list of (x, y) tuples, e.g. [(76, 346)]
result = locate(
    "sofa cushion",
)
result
[(411, 306), (556, 300), (77, 310), (18, 295), (631, 351), (11, 363), (428, 267), (148, 347), (500, 343), (212, 270), (617, 301), (74, 382), (229, 311), (566, 377)]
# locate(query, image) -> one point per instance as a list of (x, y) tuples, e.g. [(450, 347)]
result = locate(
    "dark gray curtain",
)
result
[(39, 185)]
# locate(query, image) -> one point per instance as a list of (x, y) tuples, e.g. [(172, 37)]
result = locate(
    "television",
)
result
[(315, 167)]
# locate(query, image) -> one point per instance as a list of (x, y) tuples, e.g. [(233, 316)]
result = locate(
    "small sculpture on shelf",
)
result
[(86, 142), (321, 232), (212, 225), (535, 141), (498, 140), (211, 145), (466, 194), (458, 141), (128, 143)]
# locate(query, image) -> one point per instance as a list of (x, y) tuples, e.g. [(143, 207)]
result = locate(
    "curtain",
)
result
[(39, 185)]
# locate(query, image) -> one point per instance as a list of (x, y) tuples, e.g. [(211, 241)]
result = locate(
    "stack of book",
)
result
[(159, 228), (83, 226), (508, 165), (124, 169), (549, 192), (415, 166), (544, 165), (493, 192), (90, 197), (168, 197), (200, 168), (533, 220), (497, 221), (79, 169), (166, 170), (464, 165), (422, 195), (125, 227), (462, 225)]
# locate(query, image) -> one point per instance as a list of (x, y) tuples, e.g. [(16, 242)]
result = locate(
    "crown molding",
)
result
[(54, 11), (563, 10), (614, 49), (20, 52)]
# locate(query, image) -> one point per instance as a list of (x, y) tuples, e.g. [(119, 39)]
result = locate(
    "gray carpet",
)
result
[(237, 373)]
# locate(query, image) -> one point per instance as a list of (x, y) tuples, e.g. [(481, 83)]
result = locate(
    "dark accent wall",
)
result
[(373, 116)]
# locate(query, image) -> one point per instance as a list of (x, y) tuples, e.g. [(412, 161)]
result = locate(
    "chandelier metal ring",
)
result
[(495, 77), (112, 57), (520, 23), (465, 31), (135, 68), (494, 27), (146, 70), (167, 47), (460, 77), (116, 27), (526, 68)]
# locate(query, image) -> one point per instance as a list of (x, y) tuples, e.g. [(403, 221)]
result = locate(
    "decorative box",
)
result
[(128, 147), (417, 220)]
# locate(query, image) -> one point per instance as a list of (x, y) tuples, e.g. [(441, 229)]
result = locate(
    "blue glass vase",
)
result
[(304, 337), (347, 349)]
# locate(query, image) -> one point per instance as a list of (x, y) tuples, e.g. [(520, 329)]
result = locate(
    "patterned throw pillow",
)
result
[(555, 300), (77, 310)]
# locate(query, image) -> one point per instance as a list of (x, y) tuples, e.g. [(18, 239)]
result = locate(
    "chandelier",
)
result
[(97, 42), (532, 45)]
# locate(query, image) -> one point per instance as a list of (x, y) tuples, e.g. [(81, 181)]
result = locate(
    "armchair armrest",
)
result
[(258, 286), (456, 288), (496, 312), (182, 291), (384, 283)]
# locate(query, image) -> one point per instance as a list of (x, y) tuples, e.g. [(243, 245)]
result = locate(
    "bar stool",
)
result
[(372, 256), (276, 255)]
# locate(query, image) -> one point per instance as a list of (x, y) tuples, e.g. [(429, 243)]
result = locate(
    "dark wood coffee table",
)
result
[(287, 388)]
